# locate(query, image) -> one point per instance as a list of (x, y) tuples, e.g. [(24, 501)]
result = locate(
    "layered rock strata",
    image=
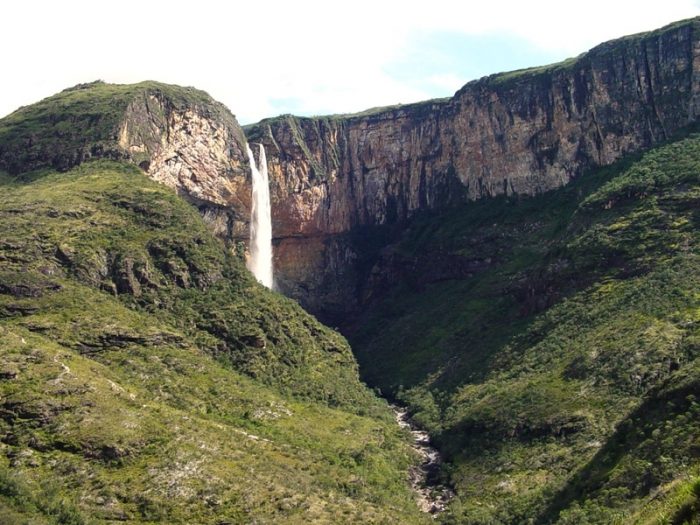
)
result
[(523, 132), (337, 181)]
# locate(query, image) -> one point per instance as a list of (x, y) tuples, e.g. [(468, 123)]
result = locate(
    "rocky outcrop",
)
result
[(522, 132), (197, 149), (179, 136), (337, 181)]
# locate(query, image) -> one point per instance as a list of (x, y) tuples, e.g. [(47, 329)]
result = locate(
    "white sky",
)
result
[(302, 56)]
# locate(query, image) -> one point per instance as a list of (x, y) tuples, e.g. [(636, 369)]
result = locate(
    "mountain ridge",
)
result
[(146, 377), (521, 133), (545, 333)]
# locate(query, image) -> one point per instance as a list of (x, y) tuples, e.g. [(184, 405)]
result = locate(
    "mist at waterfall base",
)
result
[(260, 261)]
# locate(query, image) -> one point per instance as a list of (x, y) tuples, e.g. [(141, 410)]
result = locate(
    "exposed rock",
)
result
[(8, 371), (516, 133), (125, 278), (193, 149), (431, 495), (108, 453), (179, 136), (26, 285), (65, 254), (522, 132), (120, 338), (11, 309)]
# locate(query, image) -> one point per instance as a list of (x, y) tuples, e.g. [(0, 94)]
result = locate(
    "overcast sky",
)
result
[(263, 58)]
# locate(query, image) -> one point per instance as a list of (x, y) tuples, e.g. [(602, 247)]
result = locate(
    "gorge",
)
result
[(517, 265), (518, 133)]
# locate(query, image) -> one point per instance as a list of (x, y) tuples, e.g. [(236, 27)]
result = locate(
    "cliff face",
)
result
[(335, 179), (523, 132), (198, 150), (179, 136)]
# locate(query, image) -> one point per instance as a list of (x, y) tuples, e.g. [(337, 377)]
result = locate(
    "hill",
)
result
[(145, 377), (517, 264)]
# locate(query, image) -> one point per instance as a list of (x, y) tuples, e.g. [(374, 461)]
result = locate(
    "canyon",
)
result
[(518, 133), (339, 183), (515, 265)]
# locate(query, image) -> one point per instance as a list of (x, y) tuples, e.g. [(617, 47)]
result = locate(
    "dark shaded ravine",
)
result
[(432, 497)]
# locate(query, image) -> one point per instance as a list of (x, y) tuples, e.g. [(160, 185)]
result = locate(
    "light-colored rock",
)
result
[(194, 150)]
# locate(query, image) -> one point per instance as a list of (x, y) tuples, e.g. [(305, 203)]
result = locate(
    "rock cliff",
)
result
[(337, 181), (522, 132), (198, 151), (179, 136)]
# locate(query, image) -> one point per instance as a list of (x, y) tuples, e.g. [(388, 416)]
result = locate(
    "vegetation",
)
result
[(561, 374), (550, 345), (146, 377), (511, 79), (257, 130)]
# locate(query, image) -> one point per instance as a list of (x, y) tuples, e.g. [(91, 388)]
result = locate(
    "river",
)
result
[(432, 497)]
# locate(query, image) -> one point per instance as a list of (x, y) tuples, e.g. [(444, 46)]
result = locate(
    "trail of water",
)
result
[(260, 262), (432, 497)]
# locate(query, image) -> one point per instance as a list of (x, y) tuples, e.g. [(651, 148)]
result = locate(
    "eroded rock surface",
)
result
[(432, 496), (523, 133)]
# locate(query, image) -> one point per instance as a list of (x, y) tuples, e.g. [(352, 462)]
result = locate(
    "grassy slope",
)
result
[(145, 376), (562, 381)]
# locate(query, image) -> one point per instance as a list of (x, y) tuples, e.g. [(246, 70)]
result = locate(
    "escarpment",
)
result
[(523, 132), (342, 185), (199, 150), (180, 137)]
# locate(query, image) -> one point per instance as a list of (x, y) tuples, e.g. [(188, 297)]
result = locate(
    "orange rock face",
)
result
[(517, 133)]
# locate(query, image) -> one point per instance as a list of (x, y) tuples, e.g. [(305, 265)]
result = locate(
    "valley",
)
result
[(515, 267)]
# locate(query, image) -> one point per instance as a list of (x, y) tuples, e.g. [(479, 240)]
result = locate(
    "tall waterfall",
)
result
[(260, 262)]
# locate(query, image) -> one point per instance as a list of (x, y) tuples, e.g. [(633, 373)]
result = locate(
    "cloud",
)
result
[(317, 57)]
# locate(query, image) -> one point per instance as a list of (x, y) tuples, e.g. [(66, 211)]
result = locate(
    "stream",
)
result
[(432, 497)]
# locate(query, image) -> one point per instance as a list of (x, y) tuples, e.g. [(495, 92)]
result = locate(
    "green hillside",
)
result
[(560, 371), (550, 345), (145, 377)]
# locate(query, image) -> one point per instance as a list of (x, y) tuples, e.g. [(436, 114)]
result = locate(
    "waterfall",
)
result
[(260, 262)]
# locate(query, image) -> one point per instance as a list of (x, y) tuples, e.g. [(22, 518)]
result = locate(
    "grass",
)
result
[(512, 78), (83, 122), (555, 373), (144, 368), (254, 131), (550, 344)]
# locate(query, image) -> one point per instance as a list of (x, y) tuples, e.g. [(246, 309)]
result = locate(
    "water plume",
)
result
[(260, 262)]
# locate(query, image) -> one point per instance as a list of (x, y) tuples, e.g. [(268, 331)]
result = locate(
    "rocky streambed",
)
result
[(431, 495)]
